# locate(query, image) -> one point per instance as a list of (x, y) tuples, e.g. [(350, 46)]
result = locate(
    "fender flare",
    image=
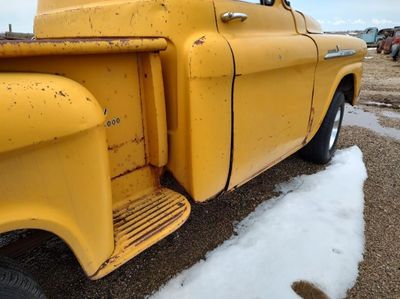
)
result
[(52, 122), (43, 107), (354, 69)]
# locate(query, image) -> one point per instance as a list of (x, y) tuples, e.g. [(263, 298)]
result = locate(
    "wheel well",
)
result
[(18, 242), (347, 87)]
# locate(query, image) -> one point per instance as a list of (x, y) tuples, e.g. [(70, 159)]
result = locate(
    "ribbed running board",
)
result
[(143, 222)]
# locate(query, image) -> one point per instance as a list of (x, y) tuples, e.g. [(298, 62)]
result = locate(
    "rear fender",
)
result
[(54, 165), (36, 108)]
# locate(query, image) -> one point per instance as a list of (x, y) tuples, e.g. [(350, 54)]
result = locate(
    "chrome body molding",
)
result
[(339, 53)]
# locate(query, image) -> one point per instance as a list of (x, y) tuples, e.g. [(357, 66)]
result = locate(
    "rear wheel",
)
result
[(322, 147), (15, 283)]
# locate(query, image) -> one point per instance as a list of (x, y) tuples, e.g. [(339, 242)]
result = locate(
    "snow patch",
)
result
[(360, 118), (313, 232), (391, 114)]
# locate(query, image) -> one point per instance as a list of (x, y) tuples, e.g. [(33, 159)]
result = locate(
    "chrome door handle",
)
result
[(230, 16)]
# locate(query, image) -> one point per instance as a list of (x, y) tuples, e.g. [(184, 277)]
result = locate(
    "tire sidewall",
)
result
[(337, 105), (318, 149)]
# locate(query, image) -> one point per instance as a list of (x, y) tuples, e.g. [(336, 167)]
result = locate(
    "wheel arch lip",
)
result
[(63, 228), (43, 107), (355, 70)]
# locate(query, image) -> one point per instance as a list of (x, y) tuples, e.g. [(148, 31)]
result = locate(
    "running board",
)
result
[(141, 223)]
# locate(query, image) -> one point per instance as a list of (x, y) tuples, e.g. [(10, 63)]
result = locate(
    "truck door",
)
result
[(273, 85)]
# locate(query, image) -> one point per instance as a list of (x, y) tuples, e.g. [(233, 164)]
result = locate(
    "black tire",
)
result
[(321, 149), (15, 283)]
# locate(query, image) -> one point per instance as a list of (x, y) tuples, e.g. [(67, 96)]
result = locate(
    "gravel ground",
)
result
[(381, 80), (57, 270), (380, 272)]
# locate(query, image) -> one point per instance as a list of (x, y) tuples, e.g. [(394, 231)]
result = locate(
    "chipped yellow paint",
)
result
[(142, 222), (54, 104), (61, 186), (36, 108), (198, 71), (232, 98), (79, 46)]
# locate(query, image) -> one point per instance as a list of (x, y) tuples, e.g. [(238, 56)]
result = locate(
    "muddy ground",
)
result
[(56, 269)]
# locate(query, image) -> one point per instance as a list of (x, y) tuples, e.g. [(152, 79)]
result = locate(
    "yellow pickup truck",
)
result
[(110, 94)]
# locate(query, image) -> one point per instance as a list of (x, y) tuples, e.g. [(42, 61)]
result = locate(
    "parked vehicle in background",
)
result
[(112, 93), (396, 46), (390, 41), (386, 33), (372, 36)]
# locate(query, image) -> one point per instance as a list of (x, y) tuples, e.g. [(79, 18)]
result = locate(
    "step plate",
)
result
[(143, 222)]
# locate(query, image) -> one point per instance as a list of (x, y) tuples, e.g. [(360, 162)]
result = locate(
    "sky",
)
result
[(337, 15), (334, 15)]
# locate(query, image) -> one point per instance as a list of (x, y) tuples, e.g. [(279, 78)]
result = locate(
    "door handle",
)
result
[(230, 16)]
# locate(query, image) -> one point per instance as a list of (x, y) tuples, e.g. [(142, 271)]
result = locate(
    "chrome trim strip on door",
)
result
[(339, 53)]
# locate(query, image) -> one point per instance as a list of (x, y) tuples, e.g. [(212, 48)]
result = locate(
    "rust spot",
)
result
[(310, 123), (158, 229), (127, 172), (118, 146), (200, 41), (61, 93)]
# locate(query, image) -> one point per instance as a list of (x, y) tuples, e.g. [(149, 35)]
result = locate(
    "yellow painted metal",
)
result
[(330, 73), (61, 186), (120, 94), (37, 108), (113, 79), (270, 119), (79, 46), (155, 117), (140, 223), (311, 24), (197, 68), (251, 81), (300, 22), (209, 129), (135, 184)]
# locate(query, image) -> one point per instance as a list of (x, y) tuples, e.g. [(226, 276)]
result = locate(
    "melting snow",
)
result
[(391, 114), (358, 117), (314, 232)]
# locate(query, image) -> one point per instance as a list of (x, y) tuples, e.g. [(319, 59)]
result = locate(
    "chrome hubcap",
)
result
[(335, 129)]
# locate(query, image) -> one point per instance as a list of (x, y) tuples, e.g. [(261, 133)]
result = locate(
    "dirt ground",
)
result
[(381, 81), (56, 269), (379, 275)]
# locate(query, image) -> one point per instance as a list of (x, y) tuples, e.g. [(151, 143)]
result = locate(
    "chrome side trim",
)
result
[(339, 53)]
